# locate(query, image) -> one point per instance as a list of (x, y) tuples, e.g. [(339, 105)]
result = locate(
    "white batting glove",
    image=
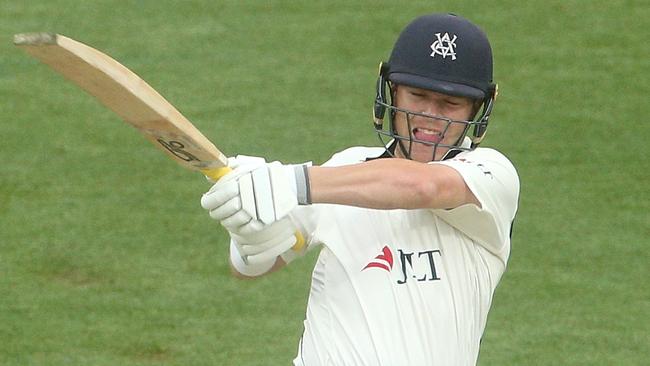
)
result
[(254, 196), (264, 246)]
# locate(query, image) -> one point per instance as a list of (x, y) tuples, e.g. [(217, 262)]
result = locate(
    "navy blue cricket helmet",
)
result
[(444, 53)]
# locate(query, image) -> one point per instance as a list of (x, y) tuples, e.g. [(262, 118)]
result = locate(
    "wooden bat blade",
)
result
[(130, 97)]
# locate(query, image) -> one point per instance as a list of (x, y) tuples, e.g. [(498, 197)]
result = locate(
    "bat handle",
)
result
[(216, 173), (300, 242)]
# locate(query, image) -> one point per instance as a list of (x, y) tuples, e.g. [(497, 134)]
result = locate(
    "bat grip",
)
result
[(216, 173), (300, 242)]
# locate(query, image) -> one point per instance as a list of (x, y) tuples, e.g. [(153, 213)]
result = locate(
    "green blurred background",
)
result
[(106, 257)]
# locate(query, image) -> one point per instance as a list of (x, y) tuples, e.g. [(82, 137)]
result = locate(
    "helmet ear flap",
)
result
[(481, 126), (379, 108)]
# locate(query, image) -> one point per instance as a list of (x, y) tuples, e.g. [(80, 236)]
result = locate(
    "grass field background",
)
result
[(106, 257)]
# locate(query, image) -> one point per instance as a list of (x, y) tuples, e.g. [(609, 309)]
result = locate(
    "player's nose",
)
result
[(430, 109)]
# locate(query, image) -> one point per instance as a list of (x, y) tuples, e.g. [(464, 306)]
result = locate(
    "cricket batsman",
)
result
[(413, 236)]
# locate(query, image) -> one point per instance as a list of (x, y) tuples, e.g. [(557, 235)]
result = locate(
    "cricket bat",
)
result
[(130, 97)]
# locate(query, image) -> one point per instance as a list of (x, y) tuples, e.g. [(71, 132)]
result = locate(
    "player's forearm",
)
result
[(388, 184)]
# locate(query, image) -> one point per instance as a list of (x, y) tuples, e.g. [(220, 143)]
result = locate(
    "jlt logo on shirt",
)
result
[(415, 266)]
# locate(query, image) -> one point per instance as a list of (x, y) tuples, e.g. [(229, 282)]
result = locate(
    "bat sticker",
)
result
[(176, 148)]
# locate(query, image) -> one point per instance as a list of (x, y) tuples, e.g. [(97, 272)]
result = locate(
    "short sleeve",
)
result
[(495, 183)]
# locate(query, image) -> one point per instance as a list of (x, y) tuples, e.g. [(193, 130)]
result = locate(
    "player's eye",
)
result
[(452, 103), (456, 103)]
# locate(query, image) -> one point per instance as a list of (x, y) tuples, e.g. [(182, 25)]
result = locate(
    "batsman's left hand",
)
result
[(276, 239)]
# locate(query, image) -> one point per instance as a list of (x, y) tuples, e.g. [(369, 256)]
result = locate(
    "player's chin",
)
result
[(426, 153)]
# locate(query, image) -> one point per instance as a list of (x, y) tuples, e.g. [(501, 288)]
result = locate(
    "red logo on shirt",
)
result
[(418, 266), (383, 261)]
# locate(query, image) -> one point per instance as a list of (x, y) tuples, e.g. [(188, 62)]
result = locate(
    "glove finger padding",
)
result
[(235, 223), (282, 227), (283, 179), (273, 252), (247, 195), (256, 244), (267, 244), (227, 210), (251, 227), (282, 243), (268, 193), (220, 193)]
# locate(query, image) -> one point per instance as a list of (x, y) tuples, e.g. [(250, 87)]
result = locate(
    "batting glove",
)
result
[(254, 196), (274, 240)]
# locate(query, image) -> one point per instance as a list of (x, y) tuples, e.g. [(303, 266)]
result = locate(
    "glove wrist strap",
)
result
[(302, 184)]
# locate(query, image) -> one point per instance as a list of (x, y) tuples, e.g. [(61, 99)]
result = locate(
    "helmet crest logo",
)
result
[(444, 46)]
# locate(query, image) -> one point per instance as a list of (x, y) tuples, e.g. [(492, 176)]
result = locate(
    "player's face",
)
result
[(427, 129)]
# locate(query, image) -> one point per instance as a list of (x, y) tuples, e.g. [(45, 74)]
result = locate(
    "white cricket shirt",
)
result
[(409, 287)]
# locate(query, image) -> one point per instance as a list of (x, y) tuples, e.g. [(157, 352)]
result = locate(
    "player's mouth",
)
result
[(426, 135)]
